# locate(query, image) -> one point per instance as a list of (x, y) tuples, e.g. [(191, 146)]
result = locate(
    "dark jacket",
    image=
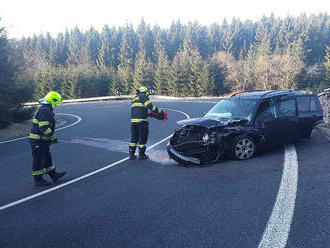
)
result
[(43, 124), (139, 108)]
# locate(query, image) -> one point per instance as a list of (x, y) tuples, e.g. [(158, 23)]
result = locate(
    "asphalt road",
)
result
[(156, 203)]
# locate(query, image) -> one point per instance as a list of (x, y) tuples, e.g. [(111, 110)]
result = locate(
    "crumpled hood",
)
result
[(209, 122)]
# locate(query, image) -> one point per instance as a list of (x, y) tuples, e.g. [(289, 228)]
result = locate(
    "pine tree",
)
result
[(7, 87), (78, 51), (69, 84), (146, 39), (107, 54), (162, 76), (125, 83), (327, 66), (215, 38), (93, 44), (128, 47), (143, 72)]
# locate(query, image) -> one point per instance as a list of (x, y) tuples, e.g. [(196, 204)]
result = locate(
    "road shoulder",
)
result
[(18, 130)]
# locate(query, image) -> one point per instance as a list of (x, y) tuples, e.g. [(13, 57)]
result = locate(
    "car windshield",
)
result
[(235, 108)]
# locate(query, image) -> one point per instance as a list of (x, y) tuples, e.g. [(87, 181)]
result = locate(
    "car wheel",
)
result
[(243, 147)]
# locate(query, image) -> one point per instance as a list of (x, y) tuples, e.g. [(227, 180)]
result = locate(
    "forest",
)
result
[(181, 60)]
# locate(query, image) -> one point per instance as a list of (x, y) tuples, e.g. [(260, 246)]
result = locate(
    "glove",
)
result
[(53, 139), (159, 116)]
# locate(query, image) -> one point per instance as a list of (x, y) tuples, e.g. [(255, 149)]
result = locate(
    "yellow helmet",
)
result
[(53, 98), (144, 90)]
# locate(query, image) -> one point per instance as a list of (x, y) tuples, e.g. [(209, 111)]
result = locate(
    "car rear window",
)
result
[(308, 103)]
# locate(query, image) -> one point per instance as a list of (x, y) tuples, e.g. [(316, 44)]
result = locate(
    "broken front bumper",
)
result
[(181, 158)]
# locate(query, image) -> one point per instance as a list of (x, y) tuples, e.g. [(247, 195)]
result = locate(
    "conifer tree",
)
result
[(128, 47), (162, 75), (327, 66), (7, 87), (125, 83), (143, 72)]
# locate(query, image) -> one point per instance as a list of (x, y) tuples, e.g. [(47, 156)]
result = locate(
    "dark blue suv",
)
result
[(244, 122)]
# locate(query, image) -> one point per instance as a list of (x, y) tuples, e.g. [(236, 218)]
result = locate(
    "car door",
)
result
[(286, 121), (265, 122), (310, 113)]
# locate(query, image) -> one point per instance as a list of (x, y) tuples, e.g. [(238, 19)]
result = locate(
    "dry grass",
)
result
[(17, 130)]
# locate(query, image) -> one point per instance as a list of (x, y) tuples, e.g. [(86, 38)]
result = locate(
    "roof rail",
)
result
[(271, 91), (244, 91)]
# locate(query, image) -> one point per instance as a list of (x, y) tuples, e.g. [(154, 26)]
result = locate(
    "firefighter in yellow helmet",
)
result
[(139, 123), (41, 137)]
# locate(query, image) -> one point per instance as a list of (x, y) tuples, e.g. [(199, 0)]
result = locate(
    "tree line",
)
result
[(182, 60)]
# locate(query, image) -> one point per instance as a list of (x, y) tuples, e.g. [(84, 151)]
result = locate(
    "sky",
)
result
[(27, 17)]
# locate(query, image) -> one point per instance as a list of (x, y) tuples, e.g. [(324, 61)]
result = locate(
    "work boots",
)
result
[(142, 154), (40, 182), (131, 153), (56, 175)]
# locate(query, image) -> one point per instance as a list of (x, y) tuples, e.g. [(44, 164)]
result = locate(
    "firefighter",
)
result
[(139, 123), (41, 137)]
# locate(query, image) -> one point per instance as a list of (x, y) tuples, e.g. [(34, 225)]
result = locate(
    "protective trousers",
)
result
[(42, 159), (139, 134)]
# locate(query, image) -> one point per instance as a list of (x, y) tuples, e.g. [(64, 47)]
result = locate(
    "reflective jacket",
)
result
[(43, 124), (139, 108)]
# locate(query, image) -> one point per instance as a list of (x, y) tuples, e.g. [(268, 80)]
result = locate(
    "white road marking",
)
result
[(278, 227), (75, 123), (157, 155), (82, 177)]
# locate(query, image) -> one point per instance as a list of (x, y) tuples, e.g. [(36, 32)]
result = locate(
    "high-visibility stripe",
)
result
[(35, 121), (43, 123), (135, 99), (48, 169), (132, 144), (137, 104), (146, 103), (43, 171), (153, 108), (142, 145), (48, 131), (138, 120), (34, 136), (37, 173)]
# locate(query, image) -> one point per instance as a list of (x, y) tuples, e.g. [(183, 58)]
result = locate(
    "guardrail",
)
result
[(91, 99), (124, 97)]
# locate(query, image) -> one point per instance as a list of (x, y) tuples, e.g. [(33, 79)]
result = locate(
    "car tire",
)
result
[(243, 147)]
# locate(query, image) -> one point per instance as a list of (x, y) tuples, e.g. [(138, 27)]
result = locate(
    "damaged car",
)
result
[(243, 123)]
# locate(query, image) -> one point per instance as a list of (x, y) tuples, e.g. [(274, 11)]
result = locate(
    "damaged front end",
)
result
[(196, 144)]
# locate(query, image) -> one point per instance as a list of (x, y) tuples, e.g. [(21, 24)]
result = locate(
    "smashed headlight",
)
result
[(206, 137)]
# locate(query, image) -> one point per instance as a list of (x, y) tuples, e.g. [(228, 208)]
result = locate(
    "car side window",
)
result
[(285, 108), (264, 114), (303, 103), (315, 104)]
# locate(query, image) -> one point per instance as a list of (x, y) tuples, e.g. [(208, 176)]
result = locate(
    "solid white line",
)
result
[(278, 227), (188, 117), (82, 177), (75, 123)]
